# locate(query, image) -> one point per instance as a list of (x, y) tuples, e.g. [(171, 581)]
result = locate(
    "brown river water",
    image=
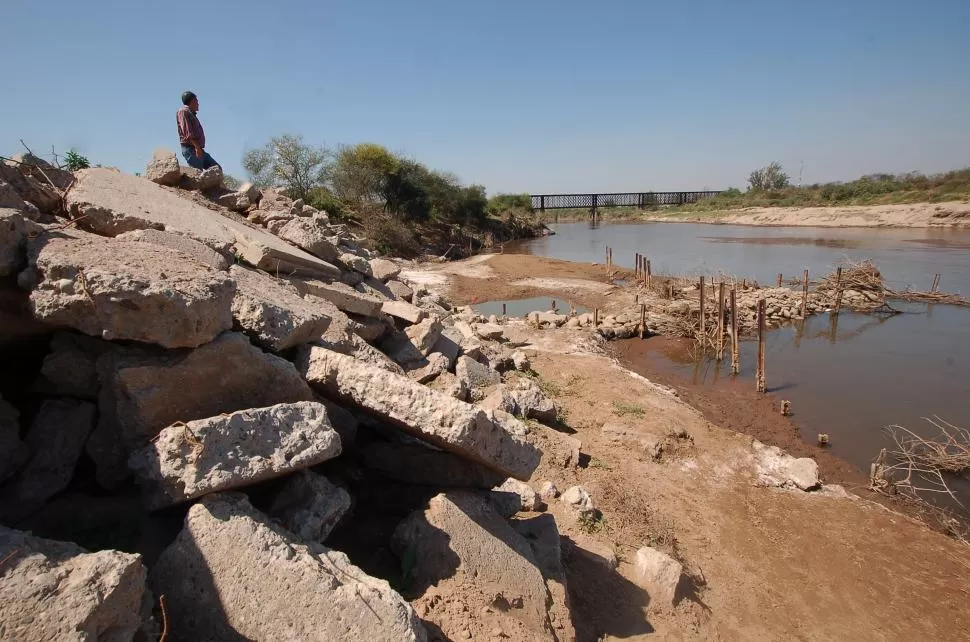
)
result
[(848, 377)]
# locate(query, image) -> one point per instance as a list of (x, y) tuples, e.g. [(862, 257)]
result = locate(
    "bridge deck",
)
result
[(618, 199)]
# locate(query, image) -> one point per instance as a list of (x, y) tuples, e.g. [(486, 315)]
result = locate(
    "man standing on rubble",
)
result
[(191, 135)]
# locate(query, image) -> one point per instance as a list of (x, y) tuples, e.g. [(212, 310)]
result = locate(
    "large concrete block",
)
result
[(233, 573)]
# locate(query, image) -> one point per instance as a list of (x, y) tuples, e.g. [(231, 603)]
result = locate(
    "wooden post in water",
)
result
[(649, 276), (503, 309), (720, 321), (805, 295), (553, 308), (779, 279), (596, 317), (936, 283), (838, 289), (703, 343), (735, 345), (761, 346), (643, 319)]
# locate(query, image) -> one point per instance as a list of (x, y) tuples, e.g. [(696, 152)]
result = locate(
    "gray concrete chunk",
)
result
[(272, 312), (189, 460), (164, 168), (232, 573), (309, 505), (345, 297), (143, 393), (110, 203), (13, 241), (198, 252), (312, 234), (56, 440), (404, 311), (384, 270), (58, 591), (125, 290), (422, 412)]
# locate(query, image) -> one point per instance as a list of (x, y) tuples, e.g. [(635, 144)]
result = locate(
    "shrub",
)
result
[(74, 161), (770, 177)]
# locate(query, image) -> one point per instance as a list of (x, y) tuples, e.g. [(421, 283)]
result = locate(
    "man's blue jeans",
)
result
[(188, 153)]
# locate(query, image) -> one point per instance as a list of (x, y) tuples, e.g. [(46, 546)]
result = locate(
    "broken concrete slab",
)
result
[(489, 331), (462, 528), (434, 366), (402, 350), (272, 312), (70, 369), (164, 168), (476, 376), (370, 329), (341, 295), (422, 412), (659, 574), (194, 179), (125, 290), (346, 341), (404, 311), (58, 591), (142, 393), (531, 402), (13, 242), (198, 252), (419, 464), (448, 384), (13, 452), (233, 450), (309, 506), (343, 421), (579, 498), (110, 203), (232, 573), (529, 500), (448, 345), (424, 334), (384, 270), (542, 534), (356, 263), (400, 290), (312, 234), (56, 440), (777, 468)]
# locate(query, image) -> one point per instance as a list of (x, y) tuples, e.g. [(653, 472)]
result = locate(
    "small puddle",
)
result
[(522, 307)]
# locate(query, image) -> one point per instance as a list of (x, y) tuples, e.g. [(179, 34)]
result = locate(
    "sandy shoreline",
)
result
[(953, 214), (760, 563)]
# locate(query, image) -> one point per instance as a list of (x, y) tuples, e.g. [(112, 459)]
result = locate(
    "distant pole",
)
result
[(761, 346), (838, 289), (503, 309), (720, 321), (702, 312), (649, 276), (735, 345), (643, 319), (805, 295), (779, 279), (936, 284)]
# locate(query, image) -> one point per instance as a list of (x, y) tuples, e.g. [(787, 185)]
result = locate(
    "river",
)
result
[(849, 379)]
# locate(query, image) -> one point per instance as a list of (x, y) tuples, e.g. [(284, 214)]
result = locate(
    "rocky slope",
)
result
[(201, 387)]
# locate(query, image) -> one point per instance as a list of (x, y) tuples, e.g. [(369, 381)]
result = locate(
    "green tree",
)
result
[(769, 177), (289, 163), (360, 171)]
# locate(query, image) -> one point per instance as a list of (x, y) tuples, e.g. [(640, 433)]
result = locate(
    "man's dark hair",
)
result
[(188, 97)]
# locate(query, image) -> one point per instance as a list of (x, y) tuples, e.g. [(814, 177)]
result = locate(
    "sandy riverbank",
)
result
[(761, 563), (951, 214)]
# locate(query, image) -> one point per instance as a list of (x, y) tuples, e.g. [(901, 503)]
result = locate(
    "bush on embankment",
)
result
[(407, 208)]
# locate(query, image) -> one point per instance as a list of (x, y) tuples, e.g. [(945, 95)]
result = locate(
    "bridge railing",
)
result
[(641, 200)]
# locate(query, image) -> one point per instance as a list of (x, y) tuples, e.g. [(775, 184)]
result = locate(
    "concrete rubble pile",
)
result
[(239, 383)]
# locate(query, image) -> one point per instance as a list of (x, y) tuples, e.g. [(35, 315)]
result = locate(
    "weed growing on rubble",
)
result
[(592, 522)]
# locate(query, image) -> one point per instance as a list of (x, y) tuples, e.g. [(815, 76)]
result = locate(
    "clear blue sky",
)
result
[(526, 95)]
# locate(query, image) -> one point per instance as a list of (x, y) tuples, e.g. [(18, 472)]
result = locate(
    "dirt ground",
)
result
[(761, 564), (950, 214)]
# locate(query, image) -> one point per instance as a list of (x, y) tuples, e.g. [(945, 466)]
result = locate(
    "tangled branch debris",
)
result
[(926, 461)]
